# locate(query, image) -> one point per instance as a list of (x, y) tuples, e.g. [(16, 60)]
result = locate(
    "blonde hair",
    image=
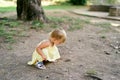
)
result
[(58, 35)]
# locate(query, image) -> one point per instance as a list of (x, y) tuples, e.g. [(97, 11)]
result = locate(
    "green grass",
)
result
[(72, 23), (8, 30), (105, 25), (7, 36), (7, 9), (50, 7), (62, 7), (37, 24)]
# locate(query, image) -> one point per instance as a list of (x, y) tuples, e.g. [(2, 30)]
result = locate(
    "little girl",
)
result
[(47, 50)]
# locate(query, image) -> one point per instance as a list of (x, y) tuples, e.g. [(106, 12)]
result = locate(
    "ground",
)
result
[(88, 54)]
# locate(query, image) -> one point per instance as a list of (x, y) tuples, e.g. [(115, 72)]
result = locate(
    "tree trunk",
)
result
[(30, 10)]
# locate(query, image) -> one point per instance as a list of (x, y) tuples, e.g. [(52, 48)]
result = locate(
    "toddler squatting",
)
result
[(47, 50)]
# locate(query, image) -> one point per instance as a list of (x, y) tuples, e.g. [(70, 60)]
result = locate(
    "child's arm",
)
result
[(40, 47)]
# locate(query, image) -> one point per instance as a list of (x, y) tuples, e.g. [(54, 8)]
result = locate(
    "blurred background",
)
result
[(4, 3)]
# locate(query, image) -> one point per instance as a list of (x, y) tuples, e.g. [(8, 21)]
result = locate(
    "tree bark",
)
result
[(30, 10)]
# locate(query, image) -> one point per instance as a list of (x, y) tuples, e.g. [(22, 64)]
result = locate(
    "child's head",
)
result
[(58, 36)]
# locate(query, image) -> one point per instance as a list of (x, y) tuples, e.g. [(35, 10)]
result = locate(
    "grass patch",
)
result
[(37, 24), (77, 23), (105, 25), (62, 7), (7, 36), (72, 23), (66, 22), (9, 30), (9, 22), (7, 9), (50, 7)]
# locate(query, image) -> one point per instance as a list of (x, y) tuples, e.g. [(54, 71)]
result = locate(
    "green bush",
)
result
[(78, 2)]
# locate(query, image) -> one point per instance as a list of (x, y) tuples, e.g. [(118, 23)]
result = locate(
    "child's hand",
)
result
[(44, 58)]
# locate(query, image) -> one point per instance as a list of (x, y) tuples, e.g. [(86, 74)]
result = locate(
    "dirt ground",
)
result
[(88, 54)]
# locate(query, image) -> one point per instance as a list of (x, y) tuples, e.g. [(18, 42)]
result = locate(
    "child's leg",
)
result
[(34, 60), (35, 57)]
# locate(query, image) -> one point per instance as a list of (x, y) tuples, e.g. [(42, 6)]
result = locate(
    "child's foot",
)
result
[(40, 65)]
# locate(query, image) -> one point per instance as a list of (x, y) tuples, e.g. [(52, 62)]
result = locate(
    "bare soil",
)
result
[(88, 54)]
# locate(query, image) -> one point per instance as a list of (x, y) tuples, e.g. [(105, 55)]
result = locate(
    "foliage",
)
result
[(111, 1), (78, 2)]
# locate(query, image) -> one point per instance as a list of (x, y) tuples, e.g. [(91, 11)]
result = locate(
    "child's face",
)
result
[(56, 42)]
